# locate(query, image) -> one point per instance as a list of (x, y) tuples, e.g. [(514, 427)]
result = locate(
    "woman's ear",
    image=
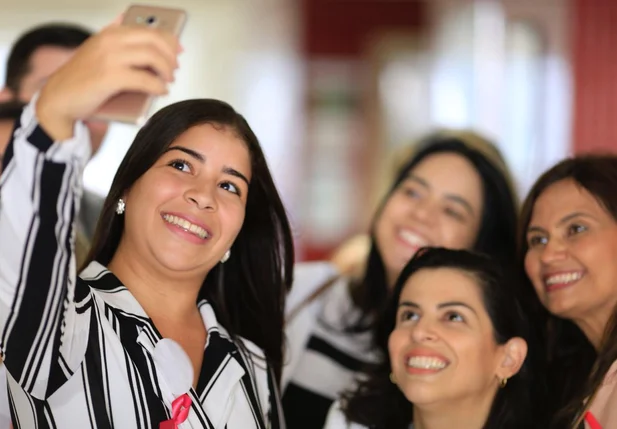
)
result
[(514, 354)]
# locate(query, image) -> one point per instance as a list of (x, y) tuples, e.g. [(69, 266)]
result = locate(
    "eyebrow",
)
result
[(202, 159), (442, 305), (563, 220), (452, 197)]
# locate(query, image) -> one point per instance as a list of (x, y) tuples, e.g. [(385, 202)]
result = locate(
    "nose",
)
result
[(203, 197), (423, 330), (424, 210), (555, 250)]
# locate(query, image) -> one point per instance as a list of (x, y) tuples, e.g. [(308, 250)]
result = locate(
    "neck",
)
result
[(470, 413), (163, 295), (593, 325)]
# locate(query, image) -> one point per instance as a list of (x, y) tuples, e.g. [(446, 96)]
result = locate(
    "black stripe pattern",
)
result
[(331, 360), (78, 350)]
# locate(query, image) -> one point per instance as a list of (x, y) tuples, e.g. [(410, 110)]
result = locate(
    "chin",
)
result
[(421, 395), (180, 264)]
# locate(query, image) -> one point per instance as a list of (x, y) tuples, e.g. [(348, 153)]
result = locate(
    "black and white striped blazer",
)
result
[(78, 350)]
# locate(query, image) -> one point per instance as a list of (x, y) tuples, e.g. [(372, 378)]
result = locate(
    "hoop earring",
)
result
[(226, 256)]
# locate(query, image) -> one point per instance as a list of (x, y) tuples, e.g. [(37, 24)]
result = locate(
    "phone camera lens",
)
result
[(151, 20)]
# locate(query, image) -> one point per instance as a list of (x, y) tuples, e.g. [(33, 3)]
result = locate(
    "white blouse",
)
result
[(79, 350)]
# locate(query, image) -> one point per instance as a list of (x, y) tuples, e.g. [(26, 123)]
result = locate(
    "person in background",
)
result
[(349, 257), (456, 341), (9, 114), (569, 237), (33, 57), (447, 193)]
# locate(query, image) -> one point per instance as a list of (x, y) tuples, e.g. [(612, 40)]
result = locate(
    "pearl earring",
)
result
[(121, 206), (226, 256)]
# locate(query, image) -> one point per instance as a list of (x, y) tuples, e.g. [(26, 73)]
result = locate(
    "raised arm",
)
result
[(44, 319), (39, 198)]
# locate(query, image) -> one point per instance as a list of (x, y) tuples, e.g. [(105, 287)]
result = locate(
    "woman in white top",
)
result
[(453, 191), (456, 340), (569, 235), (178, 317)]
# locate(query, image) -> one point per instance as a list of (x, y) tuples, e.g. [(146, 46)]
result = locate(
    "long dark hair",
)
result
[(248, 291), (497, 235), (575, 370), (379, 404)]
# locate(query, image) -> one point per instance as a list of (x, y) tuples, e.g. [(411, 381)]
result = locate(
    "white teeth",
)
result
[(426, 362), (563, 278), (412, 238), (186, 225)]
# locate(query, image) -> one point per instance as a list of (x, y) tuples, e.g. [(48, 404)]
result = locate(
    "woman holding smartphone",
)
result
[(178, 316)]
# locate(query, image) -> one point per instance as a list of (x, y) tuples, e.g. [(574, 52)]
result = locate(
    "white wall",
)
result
[(519, 98), (240, 51)]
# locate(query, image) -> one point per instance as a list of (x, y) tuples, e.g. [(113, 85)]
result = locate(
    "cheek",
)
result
[(457, 235), (532, 270), (477, 356), (153, 190), (396, 343)]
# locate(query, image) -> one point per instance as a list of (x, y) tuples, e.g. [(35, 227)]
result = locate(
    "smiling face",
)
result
[(443, 348), (572, 251), (185, 212), (440, 203)]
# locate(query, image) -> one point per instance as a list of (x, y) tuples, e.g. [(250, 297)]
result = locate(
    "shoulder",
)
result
[(308, 277), (337, 420)]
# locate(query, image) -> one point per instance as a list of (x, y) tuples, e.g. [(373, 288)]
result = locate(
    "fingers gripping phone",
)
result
[(133, 107)]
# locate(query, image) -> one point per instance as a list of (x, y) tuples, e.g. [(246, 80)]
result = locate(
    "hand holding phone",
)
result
[(133, 107), (110, 65)]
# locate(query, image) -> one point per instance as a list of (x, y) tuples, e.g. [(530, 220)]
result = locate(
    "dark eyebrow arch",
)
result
[(199, 157)]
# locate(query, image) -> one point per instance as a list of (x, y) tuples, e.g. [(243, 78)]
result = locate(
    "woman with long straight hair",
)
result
[(569, 248), (453, 191), (177, 318)]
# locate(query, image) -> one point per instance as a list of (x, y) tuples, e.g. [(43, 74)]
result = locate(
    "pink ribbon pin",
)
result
[(180, 408)]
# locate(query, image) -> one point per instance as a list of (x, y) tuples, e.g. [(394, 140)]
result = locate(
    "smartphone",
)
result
[(134, 107)]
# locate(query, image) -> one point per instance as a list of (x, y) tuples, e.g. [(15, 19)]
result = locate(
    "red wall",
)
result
[(339, 27), (595, 75)]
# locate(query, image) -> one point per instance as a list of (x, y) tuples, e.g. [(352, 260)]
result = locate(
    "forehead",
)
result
[(217, 144), (434, 285), (563, 198), (45, 60), (449, 172)]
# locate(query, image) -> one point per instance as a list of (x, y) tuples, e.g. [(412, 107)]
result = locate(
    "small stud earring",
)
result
[(121, 206), (503, 382), (392, 379), (226, 256)]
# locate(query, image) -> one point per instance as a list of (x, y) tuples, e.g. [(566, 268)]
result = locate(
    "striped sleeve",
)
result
[(40, 189)]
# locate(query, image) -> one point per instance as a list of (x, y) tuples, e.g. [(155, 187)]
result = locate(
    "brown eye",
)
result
[(180, 164), (576, 229), (536, 240), (228, 186), (453, 316)]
